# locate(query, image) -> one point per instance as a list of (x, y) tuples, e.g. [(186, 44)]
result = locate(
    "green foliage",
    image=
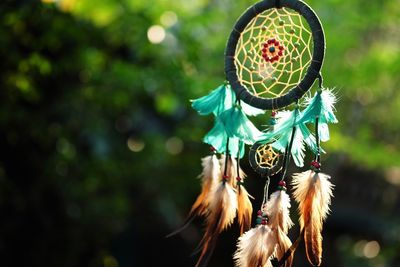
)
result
[(99, 145)]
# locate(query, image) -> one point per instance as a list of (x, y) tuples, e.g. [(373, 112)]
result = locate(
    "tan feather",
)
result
[(255, 247), (277, 209), (224, 199), (313, 192), (283, 246), (209, 179), (222, 212), (245, 209)]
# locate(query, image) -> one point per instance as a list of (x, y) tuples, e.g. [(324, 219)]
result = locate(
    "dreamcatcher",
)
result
[(273, 57)]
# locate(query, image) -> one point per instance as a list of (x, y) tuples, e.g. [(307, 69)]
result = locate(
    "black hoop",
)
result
[(313, 70)]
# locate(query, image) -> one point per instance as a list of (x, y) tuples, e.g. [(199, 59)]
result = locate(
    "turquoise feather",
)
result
[(215, 102), (238, 125), (281, 135), (251, 111), (321, 106), (233, 125), (323, 132), (284, 124), (298, 148), (219, 100), (308, 138), (282, 132), (247, 109), (217, 137)]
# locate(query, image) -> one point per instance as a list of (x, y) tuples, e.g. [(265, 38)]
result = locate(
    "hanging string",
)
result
[(265, 197), (226, 160), (318, 155), (286, 159), (239, 180), (238, 165), (320, 81)]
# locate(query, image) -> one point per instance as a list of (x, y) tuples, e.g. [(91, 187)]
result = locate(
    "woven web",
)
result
[(273, 79), (266, 156)]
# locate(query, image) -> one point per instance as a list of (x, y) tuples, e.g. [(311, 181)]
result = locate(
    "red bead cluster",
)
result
[(225, 177), (272, 50), (316, 164)]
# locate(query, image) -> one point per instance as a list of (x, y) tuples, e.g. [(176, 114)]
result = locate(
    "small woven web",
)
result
[(266, 156), (274, 79)]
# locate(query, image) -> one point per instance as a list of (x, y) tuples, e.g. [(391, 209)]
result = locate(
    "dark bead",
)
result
[(272, 49)]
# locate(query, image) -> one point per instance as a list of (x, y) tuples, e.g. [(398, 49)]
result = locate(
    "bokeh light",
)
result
[(156, 34), (168, 18), (174, 145), (134, 144), (371, 249)]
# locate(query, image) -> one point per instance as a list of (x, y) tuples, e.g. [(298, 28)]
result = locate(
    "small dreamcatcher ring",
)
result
[(274, 53), (264, 159)]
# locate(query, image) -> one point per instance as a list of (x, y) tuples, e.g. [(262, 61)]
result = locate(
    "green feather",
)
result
[(238, 125), (217, 137), (284, 125), (321, 106), (323, 131), (281, 143), (298, 148), (247, 109), (282, 132), (308, 138), (217, 101), (235, 146), (251, 111)]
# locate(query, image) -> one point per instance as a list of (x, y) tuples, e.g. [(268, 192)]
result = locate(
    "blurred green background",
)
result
[(99, 148)]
